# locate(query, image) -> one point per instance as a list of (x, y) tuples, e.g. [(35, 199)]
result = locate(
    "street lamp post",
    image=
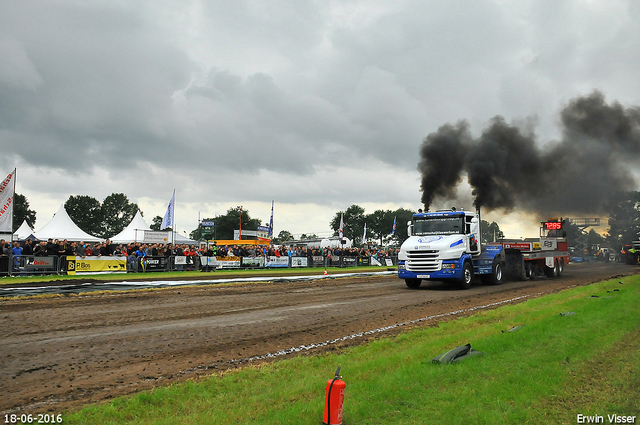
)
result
[(240, 232)]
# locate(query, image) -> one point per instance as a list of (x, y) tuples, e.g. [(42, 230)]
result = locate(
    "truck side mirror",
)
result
[(409, 228)]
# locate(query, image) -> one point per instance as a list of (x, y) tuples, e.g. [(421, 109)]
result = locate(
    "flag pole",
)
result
[(173, 217), (15, 175)]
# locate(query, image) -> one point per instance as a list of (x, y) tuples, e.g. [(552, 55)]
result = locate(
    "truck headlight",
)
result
[(448, 266)]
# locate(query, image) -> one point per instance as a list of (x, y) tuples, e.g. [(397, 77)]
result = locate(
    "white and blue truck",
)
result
[(446, 246)]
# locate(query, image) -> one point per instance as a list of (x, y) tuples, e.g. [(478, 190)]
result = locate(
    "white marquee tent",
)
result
[(134, 232), (62, 227), (23, 232), (182, 240)]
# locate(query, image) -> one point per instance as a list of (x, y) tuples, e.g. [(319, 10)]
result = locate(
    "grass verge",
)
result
[(189, 275), (552, 369)]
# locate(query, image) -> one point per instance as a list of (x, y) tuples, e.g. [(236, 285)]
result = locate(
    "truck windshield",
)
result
[(438, 226)]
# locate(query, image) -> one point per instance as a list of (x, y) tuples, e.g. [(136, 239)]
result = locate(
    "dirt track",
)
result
[(60, 353)]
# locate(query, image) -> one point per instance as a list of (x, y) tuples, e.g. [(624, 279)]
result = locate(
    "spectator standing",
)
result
[(51, 248), (81, 249), (41, 249), (108, 247), (28, 247)]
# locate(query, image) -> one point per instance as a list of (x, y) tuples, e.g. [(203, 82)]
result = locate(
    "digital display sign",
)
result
[(552, 225)]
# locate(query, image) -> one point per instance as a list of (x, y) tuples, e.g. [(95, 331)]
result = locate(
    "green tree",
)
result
[(156, 223), (226, 224), (282, 237), (86, 213), (117, 213), (624, 219), (402, 216), (101, 220), (202, 233), (490, 232), (21, 212), (353, 223), (594, 238), (380, 224)]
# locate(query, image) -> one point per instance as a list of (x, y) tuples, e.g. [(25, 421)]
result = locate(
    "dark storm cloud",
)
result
[(289, 94), (101, 84), (507, 169)]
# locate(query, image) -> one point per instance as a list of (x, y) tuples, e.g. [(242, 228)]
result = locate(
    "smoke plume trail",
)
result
[(508, 170)]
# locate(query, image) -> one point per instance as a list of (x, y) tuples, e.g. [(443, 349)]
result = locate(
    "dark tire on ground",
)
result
[(467, 275), (552, 271), (530, 270), (413, 283), (560, 267), (497, 274)]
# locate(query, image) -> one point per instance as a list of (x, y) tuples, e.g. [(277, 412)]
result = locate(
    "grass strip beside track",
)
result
[(552, 369), (189, 275)]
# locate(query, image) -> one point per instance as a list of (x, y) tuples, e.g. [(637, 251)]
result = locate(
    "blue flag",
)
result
[(167, 220)]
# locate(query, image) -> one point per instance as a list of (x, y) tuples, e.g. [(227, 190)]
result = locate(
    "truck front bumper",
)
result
[(449, 270)]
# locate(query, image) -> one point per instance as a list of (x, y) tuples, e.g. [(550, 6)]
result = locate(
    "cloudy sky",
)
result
[(314, 104)]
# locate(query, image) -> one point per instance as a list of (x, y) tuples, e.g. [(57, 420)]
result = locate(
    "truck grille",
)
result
[(423, 261)]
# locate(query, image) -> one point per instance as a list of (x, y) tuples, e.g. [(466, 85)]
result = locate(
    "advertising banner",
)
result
[(298, 261), (86, 265), (522, 246), (318, 260), (32, 264), (228, 262), (364, 261), (262, 232), (349, 261), (40, 263), (153, 264), (209, 261), (252, 261), (274, 261), (154, 236), (6, 200)]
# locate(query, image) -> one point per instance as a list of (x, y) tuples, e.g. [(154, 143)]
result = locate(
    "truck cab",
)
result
[(443, 245)]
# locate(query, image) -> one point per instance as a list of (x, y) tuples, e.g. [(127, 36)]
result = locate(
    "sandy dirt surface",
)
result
[(58, 354)]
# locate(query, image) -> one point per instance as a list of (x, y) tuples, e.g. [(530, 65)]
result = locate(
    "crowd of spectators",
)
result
[(135, 250)]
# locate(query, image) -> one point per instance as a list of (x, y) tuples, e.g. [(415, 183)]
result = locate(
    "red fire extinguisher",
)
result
[(334, 400)]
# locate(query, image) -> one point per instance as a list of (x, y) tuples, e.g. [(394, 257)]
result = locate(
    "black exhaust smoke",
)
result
[(508, 170)]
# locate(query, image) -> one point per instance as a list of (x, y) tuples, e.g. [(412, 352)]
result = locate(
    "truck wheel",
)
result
[(552, 271), (496, 277), (560, 267), (467, 275), (413, 283), (531, 271)]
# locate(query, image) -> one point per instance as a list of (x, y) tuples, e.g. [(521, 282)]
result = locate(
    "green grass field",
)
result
[(549, 371)]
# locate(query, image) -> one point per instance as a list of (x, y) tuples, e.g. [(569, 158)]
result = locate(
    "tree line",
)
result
[(380, 226), (109, 217)]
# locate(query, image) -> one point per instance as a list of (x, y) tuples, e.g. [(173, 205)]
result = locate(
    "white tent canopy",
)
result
[(181, 240), (23, 232), (62, 227), (134, 232)]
